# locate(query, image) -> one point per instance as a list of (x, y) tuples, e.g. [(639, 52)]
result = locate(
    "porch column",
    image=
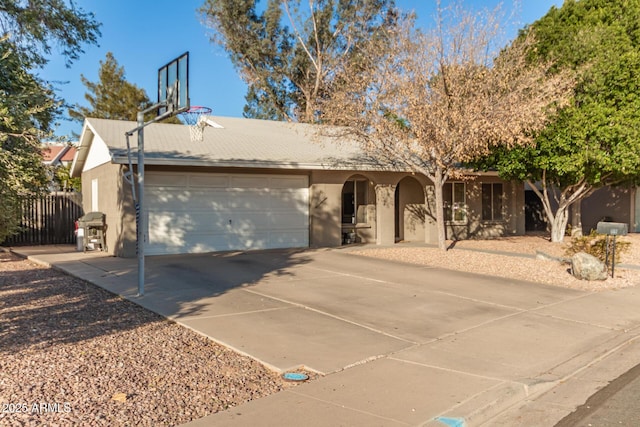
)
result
[(385, 214), (515, 212), (430, 229)]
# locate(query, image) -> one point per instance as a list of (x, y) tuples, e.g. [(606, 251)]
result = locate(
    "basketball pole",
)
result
[(173, 98), (142, 218)]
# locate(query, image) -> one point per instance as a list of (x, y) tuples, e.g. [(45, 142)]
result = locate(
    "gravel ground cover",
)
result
[(466, 255), (74, 354)]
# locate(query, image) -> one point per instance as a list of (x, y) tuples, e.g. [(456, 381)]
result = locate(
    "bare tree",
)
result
[(287, 50), (436, 99)]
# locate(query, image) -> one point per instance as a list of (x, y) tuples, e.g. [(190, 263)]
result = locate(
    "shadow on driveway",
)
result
[(39, 306)]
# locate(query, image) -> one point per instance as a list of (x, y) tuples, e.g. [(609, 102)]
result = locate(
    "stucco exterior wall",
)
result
[(616, 204), (127, 226), (414, 214), (411, 212), (325, 210), (114, 200), (411, 220), (324, 214), (326, 227), (512, 223)]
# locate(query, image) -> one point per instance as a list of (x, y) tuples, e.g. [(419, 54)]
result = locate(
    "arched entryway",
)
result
[(358, 210), (409, 211)]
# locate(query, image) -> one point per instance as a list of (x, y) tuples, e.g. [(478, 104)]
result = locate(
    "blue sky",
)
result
[(144, 35)]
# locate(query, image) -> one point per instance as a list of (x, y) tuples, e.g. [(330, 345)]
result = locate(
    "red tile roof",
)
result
[(50, 152), (69, 155), (58, 153)]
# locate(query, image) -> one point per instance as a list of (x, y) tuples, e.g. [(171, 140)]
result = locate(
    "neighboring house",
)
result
[(58, 154), (616, 204), (255, 184), (612, 204), (55, 156)]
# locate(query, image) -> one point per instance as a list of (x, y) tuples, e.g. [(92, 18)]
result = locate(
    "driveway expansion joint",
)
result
[(324, 313)]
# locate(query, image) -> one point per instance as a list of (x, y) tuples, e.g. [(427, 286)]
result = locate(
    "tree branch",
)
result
[(295, 30)]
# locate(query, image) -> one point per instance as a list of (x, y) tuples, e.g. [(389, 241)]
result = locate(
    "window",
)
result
[(94, 194), (492, 202), (354, 201), (455, 208)]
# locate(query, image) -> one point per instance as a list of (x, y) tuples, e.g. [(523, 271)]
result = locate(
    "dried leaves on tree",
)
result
[(429, 101)]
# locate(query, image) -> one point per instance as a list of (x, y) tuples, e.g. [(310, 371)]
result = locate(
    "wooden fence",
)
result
[(48, 220)]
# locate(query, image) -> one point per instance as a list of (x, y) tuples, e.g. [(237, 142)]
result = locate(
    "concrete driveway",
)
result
[(398, 344)]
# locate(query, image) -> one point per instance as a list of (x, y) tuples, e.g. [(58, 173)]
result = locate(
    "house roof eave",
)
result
[(253, 164), (86, 138)]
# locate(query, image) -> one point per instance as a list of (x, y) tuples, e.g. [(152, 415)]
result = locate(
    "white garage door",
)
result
[(197, 212)]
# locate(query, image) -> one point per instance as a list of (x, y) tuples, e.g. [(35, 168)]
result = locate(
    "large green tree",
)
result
[(29, 105), (290, 50), (112, 96), (596, 140), (33, 27)]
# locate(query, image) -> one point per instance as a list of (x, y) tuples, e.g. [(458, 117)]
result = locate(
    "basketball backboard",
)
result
[(173, 85)]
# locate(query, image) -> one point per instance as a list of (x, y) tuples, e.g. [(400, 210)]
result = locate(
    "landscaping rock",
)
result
[(588, 267)]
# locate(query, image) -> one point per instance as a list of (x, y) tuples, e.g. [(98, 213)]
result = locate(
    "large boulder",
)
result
[(588, 267)]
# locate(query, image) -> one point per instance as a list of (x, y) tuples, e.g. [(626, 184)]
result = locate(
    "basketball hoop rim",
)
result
[(193, 115), (198, 109)]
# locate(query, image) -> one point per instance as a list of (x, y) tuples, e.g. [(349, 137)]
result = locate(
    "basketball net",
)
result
[(195, 118)]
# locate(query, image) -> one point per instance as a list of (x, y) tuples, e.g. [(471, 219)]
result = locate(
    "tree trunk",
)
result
[(569, 196), (559, 224), (438, 183)]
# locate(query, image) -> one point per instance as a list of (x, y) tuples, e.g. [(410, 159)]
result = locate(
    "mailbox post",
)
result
[(614, 229)]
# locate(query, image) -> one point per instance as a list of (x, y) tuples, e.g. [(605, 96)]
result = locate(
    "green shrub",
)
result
[(9, 213), (596, 244)]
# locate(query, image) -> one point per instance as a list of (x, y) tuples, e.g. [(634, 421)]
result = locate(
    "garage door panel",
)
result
[(250, 221), (241, 200), (212, 200), (206, 221), (171, 221), (289, 200), (249, 181), (158, 197), (202, 200), (215, 212), (164, 234), (165, 180), (186, 201), (176, 229), (289, 182), (253, 240), (209, 181), (212, 241), (205, 243)]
